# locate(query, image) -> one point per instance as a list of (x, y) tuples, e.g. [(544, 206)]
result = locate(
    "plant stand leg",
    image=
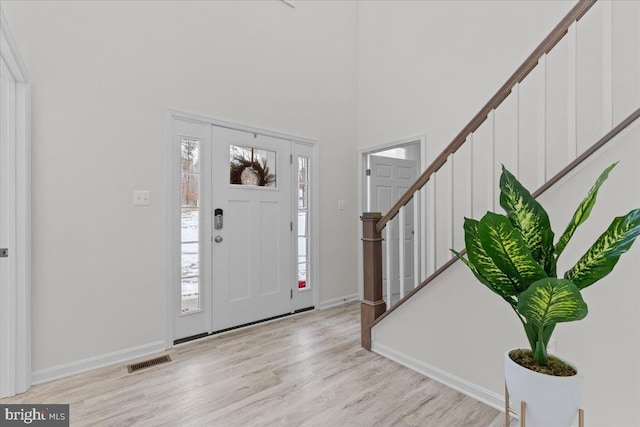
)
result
[(580, 418), (507, 415), (523, 414)]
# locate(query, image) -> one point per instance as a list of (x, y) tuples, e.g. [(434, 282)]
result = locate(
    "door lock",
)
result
[(4, 253), (217, 219), (218, 239)]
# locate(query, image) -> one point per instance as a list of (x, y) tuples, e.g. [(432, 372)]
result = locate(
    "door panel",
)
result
[(252, 255), (389, 179)]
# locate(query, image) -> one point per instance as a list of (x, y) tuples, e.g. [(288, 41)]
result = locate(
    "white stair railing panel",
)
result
[(482, 168), (626, 61), (589, 75), (557, 108), (388, 263), (572, 92), (541, 118), (423, 234), (430, 254), (462, 187), (401, 250), (607, 65), (531, 128), (443, 214), (506, 139), (417, 238)]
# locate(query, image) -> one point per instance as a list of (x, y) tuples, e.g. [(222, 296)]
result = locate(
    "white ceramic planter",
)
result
[(551, 401)]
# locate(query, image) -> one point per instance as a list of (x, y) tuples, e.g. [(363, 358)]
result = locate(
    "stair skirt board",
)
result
[(474, 391)]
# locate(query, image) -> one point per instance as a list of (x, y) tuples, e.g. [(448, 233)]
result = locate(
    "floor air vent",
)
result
[(148, 363)]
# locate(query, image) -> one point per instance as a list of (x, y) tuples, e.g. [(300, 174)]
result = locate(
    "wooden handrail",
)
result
[(527, 66), (557, 177)]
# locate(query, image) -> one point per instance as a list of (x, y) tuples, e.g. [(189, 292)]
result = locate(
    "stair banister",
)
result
[(372, 305)]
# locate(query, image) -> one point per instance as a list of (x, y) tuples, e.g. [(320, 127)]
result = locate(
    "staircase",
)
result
[(577, 92)]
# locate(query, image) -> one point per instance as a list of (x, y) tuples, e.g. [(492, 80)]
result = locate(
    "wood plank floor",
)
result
[(304, 370)]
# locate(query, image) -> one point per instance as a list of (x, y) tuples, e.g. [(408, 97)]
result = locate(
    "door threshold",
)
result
[(205, 334)]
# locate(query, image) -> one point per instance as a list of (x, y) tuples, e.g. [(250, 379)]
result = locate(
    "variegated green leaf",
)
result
[(583, 211), (528, 217), (503, 293), (504, 244), (483, 266), (606, 251), (549, 301)]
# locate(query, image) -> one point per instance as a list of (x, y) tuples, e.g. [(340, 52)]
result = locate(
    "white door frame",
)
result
[(15, 304), (421, 139), (172, 203)]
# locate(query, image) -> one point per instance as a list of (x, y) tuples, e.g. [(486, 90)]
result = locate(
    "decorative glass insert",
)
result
[(252, 166), (303, 222), (190, 224)]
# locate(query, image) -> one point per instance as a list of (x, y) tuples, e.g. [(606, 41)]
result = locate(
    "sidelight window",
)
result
[(303, 223), (190, 224)]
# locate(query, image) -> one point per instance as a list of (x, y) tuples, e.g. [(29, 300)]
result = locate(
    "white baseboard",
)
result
[(481, 394), (338, 301), (73, 368)]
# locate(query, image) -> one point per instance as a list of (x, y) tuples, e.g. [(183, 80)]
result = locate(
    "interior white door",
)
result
[(192, 291), (389, 179), (252, 251), (7, 231)]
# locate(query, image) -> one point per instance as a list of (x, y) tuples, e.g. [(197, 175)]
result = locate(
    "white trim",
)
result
[(19, 325), (73, 368), (422, 140), (200, 118), (172, 190), (465, 387), (313, 273), (337, 301)]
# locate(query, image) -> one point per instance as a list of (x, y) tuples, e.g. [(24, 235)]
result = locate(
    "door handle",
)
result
[(218, 239)]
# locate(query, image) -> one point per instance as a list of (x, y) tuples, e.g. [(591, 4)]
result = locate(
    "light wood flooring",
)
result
[(303, 370)]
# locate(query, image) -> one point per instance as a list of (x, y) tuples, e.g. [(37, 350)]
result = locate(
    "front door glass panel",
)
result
[(252, 166)]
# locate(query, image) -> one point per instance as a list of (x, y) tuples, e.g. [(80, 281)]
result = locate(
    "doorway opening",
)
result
[(15, 217), (385, 173)]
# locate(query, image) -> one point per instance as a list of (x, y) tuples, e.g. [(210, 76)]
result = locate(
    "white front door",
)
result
[(244, 229), (252, 244), (389, 179)]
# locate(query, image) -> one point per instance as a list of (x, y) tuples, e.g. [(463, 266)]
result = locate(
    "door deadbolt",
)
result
[(218, 239), (217, 219)]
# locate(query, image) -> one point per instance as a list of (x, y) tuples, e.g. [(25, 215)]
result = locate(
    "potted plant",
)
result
[(514, 255)]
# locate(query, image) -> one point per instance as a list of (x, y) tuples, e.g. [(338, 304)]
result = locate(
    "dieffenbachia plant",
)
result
[(514, 256)]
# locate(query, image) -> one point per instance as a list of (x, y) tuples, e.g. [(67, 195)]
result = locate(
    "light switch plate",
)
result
[(141, 198), (341, 205)]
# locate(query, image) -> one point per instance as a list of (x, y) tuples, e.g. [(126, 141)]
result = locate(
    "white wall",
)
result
[(430, 66), (103, 72), (459, 327)]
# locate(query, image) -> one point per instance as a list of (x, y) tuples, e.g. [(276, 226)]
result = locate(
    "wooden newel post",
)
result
[(372, 305)]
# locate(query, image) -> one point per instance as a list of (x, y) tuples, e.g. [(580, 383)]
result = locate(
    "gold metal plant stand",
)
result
[(523, 408)]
